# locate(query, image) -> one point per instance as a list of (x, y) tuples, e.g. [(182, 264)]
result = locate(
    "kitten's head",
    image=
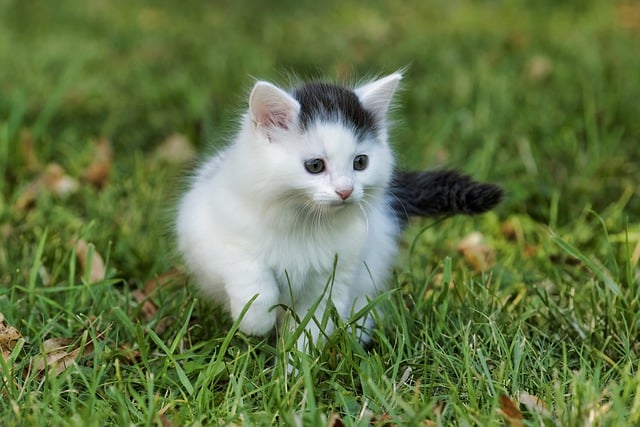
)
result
[(323, 146)]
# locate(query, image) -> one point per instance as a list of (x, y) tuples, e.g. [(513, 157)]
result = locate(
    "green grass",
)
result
[(541, 97)]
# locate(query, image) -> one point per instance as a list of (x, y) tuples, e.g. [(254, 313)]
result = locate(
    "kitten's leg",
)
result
[(242, 284), (319, 326), (366, 323), (371, 280)]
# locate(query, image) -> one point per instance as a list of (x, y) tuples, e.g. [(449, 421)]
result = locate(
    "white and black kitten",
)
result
[(306, 195)]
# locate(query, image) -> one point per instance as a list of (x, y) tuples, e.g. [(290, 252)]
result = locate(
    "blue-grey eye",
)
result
[(360, 162), (314, 166)]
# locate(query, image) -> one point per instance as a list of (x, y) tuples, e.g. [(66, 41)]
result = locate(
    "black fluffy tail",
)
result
[(438, 193)]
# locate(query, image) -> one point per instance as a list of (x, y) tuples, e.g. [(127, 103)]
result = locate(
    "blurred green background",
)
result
[(541, 97), (544, 94)]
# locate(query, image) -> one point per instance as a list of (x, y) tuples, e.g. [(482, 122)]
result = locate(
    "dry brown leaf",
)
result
[(383, 420), (531, 251), (129, 355), (539, 67), (29, 154), (53, 179), (176, 149), (166, 422), (510, 411), (99, 170), (162, 280), (629, 16), (533, 403), (58, 355), (148, 308), (84, 251), (438, 281), (56, 180), (598, 411), (27, 196), (335, 421), (8, 338), (511, 231), (476, 252)]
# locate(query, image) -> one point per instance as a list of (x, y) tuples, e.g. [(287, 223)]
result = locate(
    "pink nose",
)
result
[(344, 194)]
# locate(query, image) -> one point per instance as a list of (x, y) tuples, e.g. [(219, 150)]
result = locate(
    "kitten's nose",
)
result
[(344, 194)]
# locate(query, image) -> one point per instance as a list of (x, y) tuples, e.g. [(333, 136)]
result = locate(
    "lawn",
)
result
[(106, 106)]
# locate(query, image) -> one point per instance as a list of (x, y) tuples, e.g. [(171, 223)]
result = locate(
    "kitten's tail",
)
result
[(438, 193)]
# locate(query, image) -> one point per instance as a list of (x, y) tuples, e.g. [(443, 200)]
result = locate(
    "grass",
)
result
[(542, 98)]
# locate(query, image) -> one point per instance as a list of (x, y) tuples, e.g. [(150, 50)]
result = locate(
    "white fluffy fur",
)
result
[(255, 222)]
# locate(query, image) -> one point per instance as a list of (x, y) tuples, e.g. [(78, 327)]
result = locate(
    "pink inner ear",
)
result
[(271, 107), (278, 119)]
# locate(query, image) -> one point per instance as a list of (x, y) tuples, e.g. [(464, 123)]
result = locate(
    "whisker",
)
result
[(364, 214)]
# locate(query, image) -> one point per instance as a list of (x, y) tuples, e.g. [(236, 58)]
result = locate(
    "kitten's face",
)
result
[(324, 147), (329, 166)]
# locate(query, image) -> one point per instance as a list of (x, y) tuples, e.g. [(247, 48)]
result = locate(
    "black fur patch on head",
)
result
[(328, 102)]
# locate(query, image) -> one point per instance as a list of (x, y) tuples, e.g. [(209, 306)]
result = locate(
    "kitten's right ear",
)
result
[(271, 107), (376, 96)]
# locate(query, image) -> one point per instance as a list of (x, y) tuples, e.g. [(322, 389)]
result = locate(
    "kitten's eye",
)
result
[(361, 162), (314, 165)]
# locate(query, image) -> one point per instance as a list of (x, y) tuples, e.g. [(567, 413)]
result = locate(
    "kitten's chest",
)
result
[(303, 255)]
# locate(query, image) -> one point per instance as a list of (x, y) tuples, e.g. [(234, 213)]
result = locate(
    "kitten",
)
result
[(307, 193)]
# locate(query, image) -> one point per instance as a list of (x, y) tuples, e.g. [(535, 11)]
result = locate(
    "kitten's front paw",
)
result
[(258, 322)]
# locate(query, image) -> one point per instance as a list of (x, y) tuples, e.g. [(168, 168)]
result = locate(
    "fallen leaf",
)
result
[(383, 420), (476, 252), (335, 421), (55, 179), (8, 338), (176, 149), (510, 411), (26, 198), (99, 170), (29, 154), (162, 280), (629, 16), (58, 355), (166, 422), (538, 68), (533, 403), (438, 281), (511, 230), (596, 412), (148, 308), (129, 355), (90, 260), (531, 251)]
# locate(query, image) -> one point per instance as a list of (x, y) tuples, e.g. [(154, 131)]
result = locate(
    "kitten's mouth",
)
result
[(333, 204), (338, 204)]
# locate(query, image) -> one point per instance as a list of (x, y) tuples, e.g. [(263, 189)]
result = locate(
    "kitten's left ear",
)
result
[(271, 107), (376, 96)]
